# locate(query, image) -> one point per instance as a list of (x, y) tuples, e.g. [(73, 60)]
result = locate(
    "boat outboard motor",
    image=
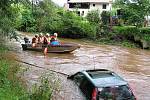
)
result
[(26, 40)]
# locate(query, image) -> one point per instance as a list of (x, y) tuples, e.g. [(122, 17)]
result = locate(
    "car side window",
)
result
[(86, 87), (84, 84), (78, 78)]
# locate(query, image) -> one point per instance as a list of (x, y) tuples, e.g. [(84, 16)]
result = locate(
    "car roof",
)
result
[(104, 78)]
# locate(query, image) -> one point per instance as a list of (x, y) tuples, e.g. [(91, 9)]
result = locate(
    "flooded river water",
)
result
[(131, 64)]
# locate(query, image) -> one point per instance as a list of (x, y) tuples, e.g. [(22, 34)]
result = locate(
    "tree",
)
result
[(105, 16), (93, 16), (75, 27), (8, 14), (105, 21), (134, 10), (44, 16), (5, 16)]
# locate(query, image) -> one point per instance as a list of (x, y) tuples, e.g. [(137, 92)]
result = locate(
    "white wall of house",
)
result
[(94, 5), (83, 12), (148, 20), (99, 6)]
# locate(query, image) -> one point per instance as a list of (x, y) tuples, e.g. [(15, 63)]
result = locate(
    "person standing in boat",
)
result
[(47, 39), (41, 38), (35, 40)]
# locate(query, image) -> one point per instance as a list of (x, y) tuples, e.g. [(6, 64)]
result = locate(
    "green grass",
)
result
[(129, 44), (44, 90), (10, 84)]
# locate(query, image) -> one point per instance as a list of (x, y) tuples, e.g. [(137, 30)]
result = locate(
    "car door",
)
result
[(78, 78), (84, 84), (86, 87)]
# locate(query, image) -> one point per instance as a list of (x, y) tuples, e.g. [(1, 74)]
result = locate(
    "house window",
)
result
[(82, 13), (93, 5), (78, 13), (79, 5), (104, 6)]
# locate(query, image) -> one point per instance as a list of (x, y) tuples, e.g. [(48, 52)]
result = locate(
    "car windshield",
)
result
[(100, 74), (115, 93)]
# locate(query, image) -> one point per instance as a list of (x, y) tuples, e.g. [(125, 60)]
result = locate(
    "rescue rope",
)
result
[(41, 67)]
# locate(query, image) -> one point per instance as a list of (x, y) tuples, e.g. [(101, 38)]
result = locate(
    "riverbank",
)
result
[(126, 36), (13, 85), (106, 41)]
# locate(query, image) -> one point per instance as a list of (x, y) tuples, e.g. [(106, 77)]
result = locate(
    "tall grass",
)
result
[(11, 86), (46, 89)]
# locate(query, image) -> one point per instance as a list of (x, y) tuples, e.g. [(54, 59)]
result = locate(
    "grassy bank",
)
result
[(107, 41), (124, 43), (127, 36), (11, 85)]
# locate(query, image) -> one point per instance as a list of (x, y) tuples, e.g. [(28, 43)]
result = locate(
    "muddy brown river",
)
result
[(131, 64)]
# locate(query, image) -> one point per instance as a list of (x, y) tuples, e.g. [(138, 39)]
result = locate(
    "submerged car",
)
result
[(102, 84)]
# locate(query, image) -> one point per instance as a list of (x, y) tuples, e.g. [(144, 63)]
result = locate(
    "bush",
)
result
[(105, 16), (75, 27), (130, 33), (145, 30), (93, 16), (47, 88), (31, 29), (127, 33), (146, 37), (127, 43), (42, 92), (145, 34)]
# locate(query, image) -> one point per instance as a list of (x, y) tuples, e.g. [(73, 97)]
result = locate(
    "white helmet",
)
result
[(47, 34), (40, 34), (55, 34)]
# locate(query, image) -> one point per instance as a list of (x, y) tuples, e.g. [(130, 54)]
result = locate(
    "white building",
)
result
[(148, 20), (84, 6)]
